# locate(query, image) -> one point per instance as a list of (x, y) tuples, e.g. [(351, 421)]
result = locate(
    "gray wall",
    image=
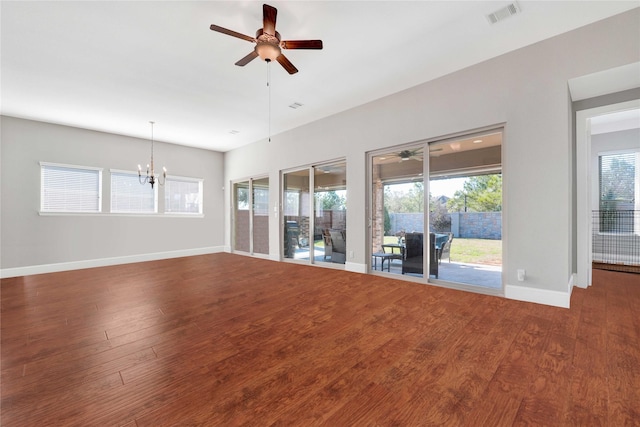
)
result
[(525, 89), (30, 239)]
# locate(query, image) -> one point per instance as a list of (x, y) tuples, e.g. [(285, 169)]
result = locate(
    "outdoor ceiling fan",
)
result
[(268, 42), (410, 155)]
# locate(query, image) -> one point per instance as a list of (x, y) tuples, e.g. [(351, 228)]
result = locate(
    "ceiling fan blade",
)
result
[(286, 64), (250, 57), (269, 19), (231, 33), (301, 44)]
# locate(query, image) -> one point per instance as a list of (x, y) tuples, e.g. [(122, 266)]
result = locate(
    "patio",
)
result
[(487, 276)]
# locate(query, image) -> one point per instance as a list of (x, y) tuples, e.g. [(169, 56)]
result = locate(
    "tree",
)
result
[(409, 201), (480, 194), (387, 221), (617, 181), (330, 200), (439, 216)]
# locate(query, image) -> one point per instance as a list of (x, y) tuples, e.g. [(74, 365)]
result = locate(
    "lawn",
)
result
[(472, 251), (477, 251)]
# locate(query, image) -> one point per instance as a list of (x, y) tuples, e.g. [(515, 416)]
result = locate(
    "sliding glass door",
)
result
[(296, 208), (241, 217), (260, 218), (397, 216), (314, 204), (330, 213), (251, 216), (465, 209), (449, 225)]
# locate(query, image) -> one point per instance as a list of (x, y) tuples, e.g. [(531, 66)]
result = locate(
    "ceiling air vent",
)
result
[(501, 14)]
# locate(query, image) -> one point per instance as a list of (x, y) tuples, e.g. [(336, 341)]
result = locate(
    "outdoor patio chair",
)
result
[(414, 254), (445, 250), (339, 247), (328, 248)]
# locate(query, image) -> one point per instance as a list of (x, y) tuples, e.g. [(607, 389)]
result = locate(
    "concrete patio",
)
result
[(486, 276)]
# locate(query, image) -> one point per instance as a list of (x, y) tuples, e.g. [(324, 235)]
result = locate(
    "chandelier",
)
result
[(151, 178)]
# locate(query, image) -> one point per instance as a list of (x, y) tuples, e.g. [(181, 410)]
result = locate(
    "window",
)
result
[(129, 196), (66, 188), (618, 191), (183, 195), (261, 199), (291, 203), (617, 179)]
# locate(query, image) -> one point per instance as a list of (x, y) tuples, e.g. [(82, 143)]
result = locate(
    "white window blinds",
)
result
[(66, 188), (129, 196), (618, 181), (183, 195)]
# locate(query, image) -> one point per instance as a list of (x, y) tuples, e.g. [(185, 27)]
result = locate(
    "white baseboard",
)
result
[(539, 296), (103, 262), (355, 267)]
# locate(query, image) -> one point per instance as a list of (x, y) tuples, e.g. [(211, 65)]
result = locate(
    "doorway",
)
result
[(608, 189)]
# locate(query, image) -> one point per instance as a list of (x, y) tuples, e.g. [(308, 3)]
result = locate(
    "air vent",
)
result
[(501, 14)]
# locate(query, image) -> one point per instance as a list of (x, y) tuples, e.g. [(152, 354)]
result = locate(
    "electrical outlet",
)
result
[(350, 254), (521, 275)]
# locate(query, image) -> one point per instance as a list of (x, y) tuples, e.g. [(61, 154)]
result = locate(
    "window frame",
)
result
[(43, 211), (199, 181), (125, 212), (636, 203)]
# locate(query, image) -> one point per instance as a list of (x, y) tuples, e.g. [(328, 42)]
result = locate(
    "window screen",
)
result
[(129, 196), (183, 195), (67, 188)]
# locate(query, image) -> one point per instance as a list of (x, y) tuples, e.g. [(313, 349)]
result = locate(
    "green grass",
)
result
[(477, 251), (472, 251)]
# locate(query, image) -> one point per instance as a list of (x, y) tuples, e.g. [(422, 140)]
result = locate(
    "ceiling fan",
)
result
[(410, 155), (268, 42)]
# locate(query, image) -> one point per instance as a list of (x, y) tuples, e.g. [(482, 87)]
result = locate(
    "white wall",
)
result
[(526, 90), (29, 240)]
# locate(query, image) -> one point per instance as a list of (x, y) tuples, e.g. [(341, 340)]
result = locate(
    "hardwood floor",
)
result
[(224, 339)]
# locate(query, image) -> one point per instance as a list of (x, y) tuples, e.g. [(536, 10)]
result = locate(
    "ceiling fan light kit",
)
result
[(267, 51), (268, 42)]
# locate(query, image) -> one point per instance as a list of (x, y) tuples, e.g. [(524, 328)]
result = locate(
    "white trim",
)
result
[(150, 215), (355, 267), (123, 171), (104, 262), (184, 178), (539, 296), (65, 165), (572, 281)]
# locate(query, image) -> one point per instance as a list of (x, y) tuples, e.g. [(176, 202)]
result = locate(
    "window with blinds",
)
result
[(70, 189), (619, 185), (183, 195), (129, 196), (617, 181)]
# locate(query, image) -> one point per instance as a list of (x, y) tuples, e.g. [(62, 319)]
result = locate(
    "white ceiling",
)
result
[(114, 66)]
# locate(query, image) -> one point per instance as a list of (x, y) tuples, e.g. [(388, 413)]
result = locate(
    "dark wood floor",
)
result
[(229, 340)]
